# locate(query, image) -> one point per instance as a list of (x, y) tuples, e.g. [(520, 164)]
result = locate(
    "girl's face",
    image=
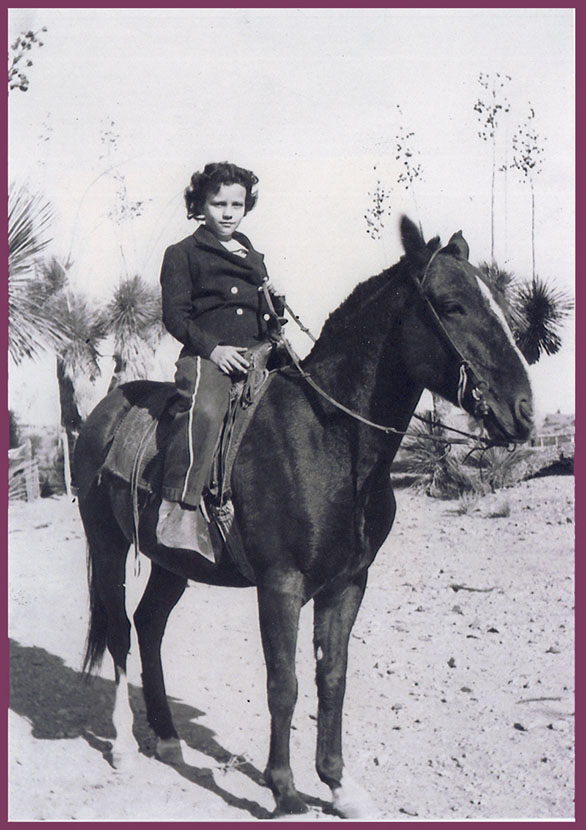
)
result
[(223, 211)]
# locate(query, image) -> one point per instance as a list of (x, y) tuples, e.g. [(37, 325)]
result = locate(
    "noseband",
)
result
[(468, 376)]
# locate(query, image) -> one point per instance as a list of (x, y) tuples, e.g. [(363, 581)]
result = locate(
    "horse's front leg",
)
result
[(334, 616), (279, 603)]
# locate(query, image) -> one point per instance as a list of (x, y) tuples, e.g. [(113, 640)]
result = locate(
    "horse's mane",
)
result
[(348, 324), (341, 320)]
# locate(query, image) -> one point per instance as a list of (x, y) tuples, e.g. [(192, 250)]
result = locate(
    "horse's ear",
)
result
[(458, 246), (412, 239)]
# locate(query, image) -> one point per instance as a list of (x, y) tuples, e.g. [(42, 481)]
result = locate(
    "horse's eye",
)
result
[(453, 308)]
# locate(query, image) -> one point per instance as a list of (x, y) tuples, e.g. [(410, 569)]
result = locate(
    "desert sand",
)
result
[(459, 702)]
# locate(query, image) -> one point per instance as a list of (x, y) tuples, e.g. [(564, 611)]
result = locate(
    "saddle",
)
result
[(137, 451)]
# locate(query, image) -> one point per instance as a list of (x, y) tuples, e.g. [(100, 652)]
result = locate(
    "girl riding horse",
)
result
[(212, 304), (312, 494)]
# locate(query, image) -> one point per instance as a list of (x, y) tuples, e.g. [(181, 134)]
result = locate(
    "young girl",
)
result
[(212, 304)]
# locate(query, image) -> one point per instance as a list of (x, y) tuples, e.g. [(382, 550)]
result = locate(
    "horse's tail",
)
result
[(97, 635)]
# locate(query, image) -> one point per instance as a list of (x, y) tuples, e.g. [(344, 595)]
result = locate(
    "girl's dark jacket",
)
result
[(210, 296)]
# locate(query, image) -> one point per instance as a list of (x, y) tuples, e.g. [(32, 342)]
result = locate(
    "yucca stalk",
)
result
[(490, 109), (528, 157)]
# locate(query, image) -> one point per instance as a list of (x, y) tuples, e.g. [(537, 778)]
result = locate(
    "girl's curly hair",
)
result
[(210, 180)]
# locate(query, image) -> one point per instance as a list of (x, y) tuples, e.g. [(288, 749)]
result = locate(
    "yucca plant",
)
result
[(441, 468), (86, 326), (535, 310), (541, 310), (79, 357), (77, 353), (499, 467), (33, 326), (135, 321)]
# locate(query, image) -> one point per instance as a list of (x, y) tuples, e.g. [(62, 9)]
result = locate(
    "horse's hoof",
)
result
[(169, 751), (123, 761), (290, 805), (350, 800)]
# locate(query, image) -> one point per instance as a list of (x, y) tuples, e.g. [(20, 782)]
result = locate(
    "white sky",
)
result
[(307, 98)]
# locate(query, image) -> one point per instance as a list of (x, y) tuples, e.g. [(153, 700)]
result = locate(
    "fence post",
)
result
[(31, 473), (66, 467)]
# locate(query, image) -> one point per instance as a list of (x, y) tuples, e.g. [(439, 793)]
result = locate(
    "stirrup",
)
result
[(184, 528)]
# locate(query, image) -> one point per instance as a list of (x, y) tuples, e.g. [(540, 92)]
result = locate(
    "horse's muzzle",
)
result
[(516, 428)]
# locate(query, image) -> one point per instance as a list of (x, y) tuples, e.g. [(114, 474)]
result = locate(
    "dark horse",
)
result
[(311, 488)]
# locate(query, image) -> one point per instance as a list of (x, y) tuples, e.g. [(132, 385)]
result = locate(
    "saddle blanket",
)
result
[(136, 452), (137, 449)]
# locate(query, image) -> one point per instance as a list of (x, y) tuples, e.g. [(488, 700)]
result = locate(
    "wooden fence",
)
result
[(23, 474), (554, 439)]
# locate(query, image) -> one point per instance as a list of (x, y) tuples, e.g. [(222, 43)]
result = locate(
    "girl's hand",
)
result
[(229, 359), (274, 291)]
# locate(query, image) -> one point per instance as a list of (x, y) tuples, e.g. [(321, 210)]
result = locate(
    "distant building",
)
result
[(556, 430)]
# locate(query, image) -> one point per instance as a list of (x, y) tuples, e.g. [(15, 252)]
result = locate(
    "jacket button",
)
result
[(234, 289), (266, 317), (239, 311)]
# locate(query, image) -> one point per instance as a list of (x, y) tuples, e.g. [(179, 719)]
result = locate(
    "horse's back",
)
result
[(98, 431)]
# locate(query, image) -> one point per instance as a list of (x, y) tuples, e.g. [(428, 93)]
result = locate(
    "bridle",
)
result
[(468, 377)]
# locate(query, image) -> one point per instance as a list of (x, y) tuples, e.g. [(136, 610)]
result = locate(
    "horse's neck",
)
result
[(357, 358), (358, 361)]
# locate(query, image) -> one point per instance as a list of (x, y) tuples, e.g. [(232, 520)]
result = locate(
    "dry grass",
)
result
[(467, 503), (502, 510)]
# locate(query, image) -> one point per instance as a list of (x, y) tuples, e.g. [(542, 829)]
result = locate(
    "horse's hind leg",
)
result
[(109, 624), (162, 593), (334, 616)]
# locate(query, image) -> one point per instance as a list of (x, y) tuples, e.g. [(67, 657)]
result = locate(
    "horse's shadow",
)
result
[(61, 703)]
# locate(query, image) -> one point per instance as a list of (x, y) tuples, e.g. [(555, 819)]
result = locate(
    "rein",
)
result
[(465, 368)]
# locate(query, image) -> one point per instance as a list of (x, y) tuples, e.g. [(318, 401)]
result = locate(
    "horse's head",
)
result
[(458, 342)]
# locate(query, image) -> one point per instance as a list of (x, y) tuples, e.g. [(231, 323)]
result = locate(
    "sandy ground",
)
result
[(460, 690)]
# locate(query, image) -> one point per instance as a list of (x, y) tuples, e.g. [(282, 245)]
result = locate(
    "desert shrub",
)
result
[(450, 471), (467, 503), (440, 468), (501, 511), (499, 467)]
